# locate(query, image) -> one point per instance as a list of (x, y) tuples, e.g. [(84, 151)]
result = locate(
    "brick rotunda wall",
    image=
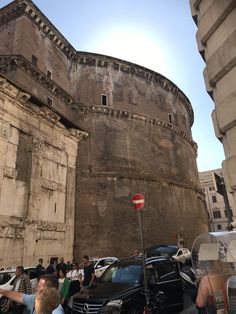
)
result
[(140, 142)]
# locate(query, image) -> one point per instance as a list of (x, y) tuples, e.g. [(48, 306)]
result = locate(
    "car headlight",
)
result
[(116, 303)]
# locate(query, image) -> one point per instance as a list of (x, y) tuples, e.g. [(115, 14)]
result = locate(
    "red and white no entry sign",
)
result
[(138, 201)]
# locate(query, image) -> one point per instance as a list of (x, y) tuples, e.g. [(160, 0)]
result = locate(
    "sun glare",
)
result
[(134, 46)]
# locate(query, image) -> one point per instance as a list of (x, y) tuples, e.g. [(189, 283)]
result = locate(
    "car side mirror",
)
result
[(99, 266)]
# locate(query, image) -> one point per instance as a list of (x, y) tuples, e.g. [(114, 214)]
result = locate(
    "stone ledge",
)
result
[(28, 9), (121, 114), (213, 18), (223, 60), (9, 224), (11, 232), (52, 186), (163, 180), (129, 68), (13, 62)]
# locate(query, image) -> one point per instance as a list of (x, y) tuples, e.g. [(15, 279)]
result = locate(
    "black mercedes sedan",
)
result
[(121, 288)]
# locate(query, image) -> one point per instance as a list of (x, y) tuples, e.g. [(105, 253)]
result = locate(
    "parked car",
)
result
[(121, 288), (100, 265), (182, 255), (7, 277), (161, 250)]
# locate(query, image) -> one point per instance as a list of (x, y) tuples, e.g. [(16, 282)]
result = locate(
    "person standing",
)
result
[(45, 281), (47, 301), (39, 268), (61, 266), (136, 253), (212, 294), (74, 276), (21, 284), (89, 275), (69, 265), (50, 270), (64, 284)]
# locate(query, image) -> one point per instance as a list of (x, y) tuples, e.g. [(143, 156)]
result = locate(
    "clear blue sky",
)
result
[(157, 34)]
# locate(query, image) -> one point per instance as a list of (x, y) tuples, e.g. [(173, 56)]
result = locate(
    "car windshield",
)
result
[(123, 274)]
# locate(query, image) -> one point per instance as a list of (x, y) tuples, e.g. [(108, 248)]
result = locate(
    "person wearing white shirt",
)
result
[(75, 276), (74, 273)]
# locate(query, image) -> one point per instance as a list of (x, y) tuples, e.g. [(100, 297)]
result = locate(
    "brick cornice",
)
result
[(13, 62), (122, 114), (132, 69), (30, 10), (27, 8)]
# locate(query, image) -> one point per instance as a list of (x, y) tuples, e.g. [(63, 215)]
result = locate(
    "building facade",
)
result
[(216, 209), (216, 39), (37, 181), (140, 141)]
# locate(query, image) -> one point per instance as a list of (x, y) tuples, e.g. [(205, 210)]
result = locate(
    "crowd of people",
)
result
[(56, 284)]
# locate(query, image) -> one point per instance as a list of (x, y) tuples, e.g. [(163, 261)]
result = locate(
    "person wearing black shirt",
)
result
[(89, 275), (61, 266), (39, 268)]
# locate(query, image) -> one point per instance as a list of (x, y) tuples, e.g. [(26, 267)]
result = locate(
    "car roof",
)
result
[(138, 260), (98, 259), (162, 246), (12, 270)]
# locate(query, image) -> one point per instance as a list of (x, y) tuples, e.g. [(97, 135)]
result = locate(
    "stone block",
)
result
[(219, 36), (214, 117), (230, 169), (212, 17), (14, 198), (223, 60), (224, 87), (226, 113)]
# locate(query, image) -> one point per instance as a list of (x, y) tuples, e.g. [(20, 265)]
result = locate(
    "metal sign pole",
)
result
[(143, 258)]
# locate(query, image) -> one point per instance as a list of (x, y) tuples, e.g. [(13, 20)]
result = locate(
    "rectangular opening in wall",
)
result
[(104, 100), (50, 102), (34, 60), (214, 199), (170, 118), (49, 74)]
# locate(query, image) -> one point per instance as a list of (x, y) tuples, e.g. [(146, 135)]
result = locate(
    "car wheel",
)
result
[(4, 305)]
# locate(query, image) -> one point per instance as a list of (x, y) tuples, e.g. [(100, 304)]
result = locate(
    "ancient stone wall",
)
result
[(37, 180), (140, 140), (25, 35), (134, 147)]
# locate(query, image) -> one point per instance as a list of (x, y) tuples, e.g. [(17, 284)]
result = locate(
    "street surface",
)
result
[(189, 306)]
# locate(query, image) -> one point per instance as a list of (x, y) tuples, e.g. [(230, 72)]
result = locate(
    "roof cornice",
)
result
[(12, 62), (27, 8)]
